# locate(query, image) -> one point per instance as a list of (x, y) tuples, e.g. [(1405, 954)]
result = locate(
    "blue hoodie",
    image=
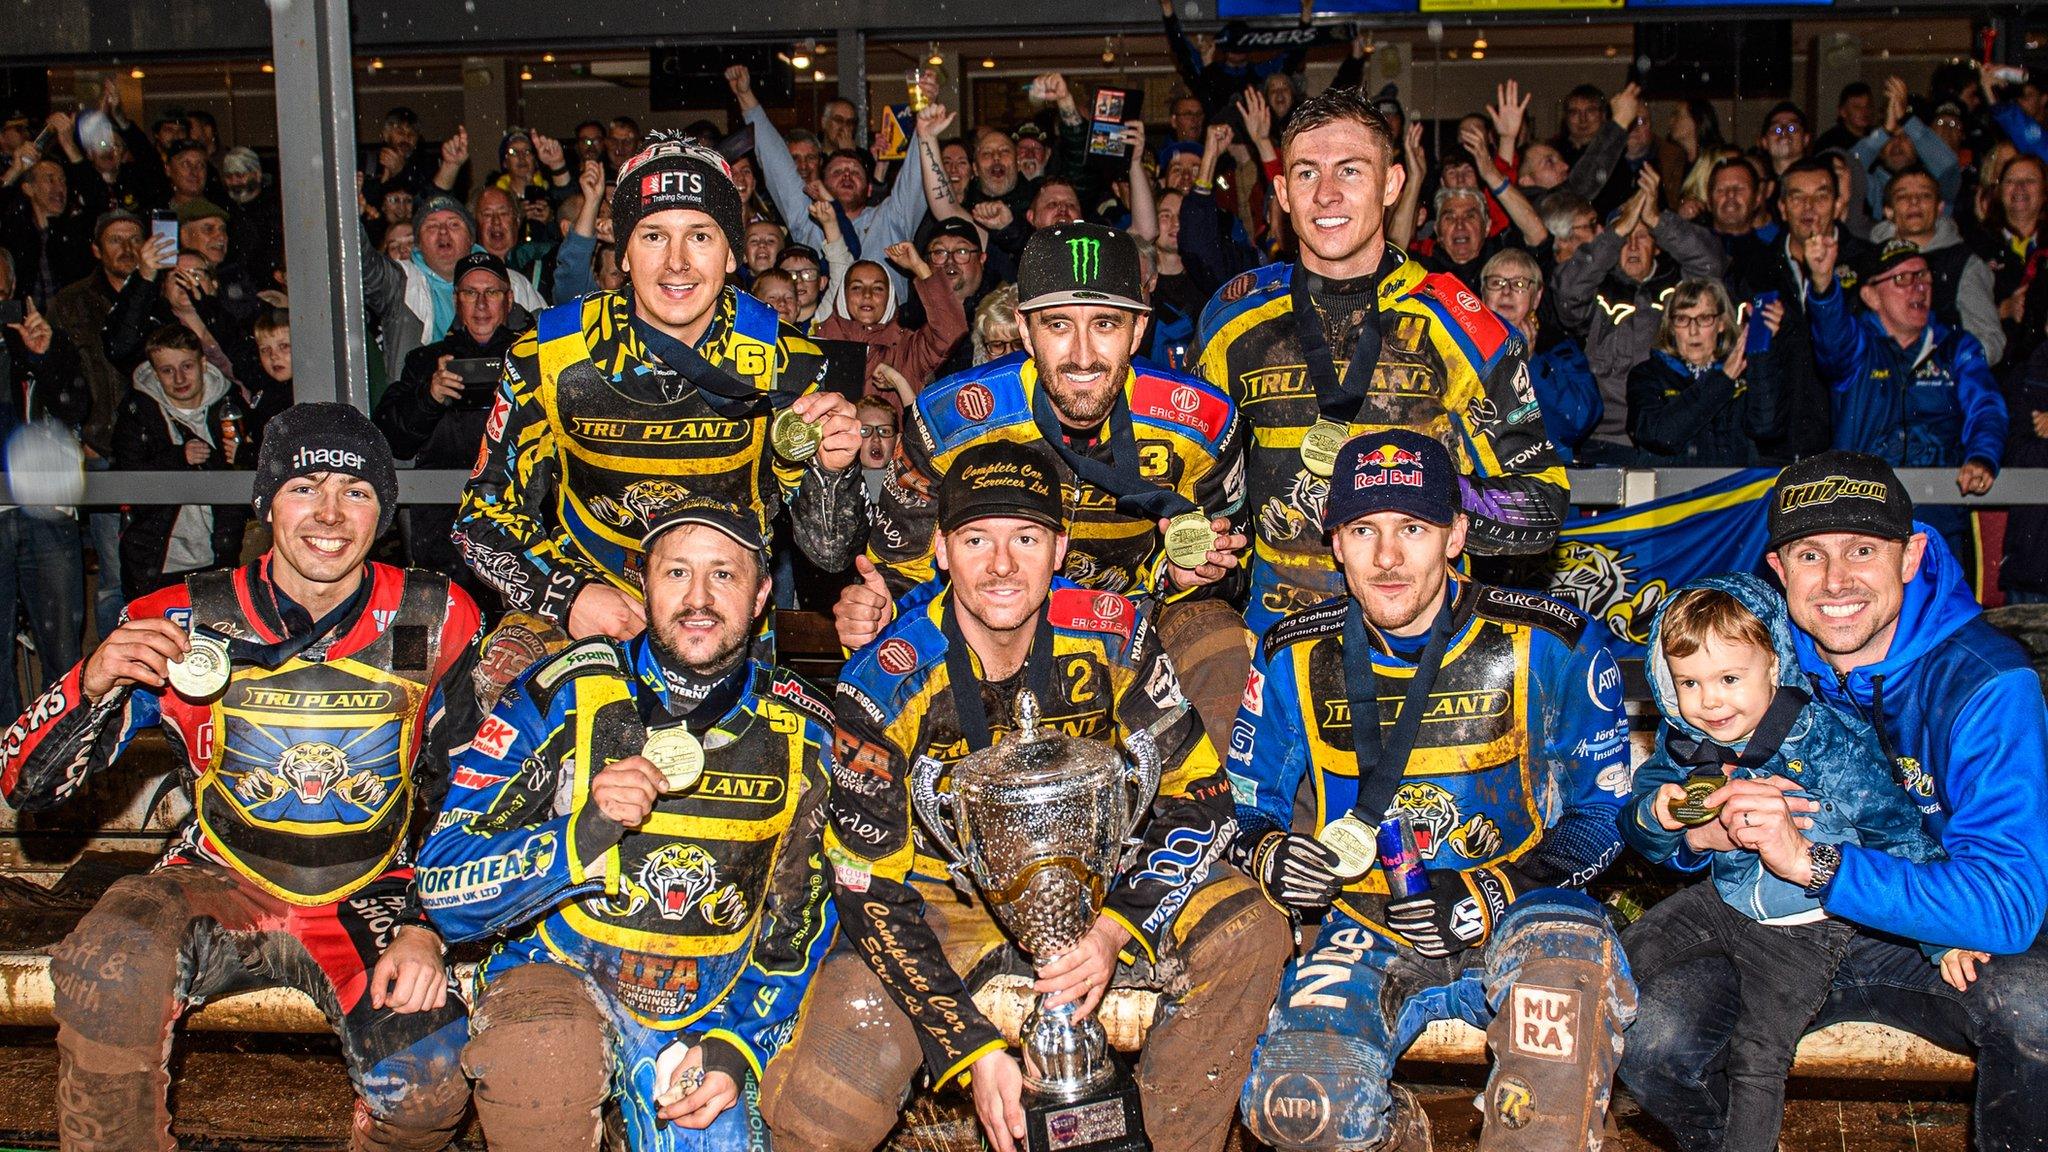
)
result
[(1959, 706), (1834, 756)]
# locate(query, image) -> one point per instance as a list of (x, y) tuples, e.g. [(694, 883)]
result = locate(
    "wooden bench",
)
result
[(1843, 1051)]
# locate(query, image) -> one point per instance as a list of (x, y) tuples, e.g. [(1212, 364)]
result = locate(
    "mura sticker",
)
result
[(1544, 1022)]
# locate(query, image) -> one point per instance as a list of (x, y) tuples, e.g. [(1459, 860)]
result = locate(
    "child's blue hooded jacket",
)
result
[(1835, 756)]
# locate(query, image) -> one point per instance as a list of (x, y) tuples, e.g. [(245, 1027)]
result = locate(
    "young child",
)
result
[(1726, 678)]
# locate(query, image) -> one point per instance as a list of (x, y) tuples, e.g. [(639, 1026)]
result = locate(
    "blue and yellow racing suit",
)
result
[(1517, 774), (1448, 368), (700, 927)]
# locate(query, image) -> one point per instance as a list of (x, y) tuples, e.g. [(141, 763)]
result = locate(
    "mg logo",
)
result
[(1185, 401), (1087, 254)]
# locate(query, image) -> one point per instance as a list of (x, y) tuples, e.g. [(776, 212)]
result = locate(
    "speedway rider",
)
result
[(1486, 790), (303, 695), (620, 404), (644, 819), (1139, 447), (1355, 335), (942, 682)]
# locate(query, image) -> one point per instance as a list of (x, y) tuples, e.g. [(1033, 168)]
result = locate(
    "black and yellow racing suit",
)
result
[(1448, 368), (926, 941), (593, 434)]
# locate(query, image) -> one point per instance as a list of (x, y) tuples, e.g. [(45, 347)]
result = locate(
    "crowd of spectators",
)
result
[(1865, 280)]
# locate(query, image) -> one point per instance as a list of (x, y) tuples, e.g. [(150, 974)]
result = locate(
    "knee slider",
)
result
[(1317, 1092), (1552, 928)]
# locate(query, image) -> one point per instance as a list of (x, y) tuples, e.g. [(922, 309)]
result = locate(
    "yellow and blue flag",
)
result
[(1619, 565)]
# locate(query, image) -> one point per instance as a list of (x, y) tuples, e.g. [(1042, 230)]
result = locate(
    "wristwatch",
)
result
[(1825, 859)]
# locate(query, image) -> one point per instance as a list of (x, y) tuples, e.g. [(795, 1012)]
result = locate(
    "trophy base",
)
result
[(1109, 1119)]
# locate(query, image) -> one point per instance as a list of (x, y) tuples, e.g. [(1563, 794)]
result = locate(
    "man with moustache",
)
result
[(1486, 789), (305, 693), (1355, 336), (942, 682), (1139, 446), (620, 404), (1886, 629), (643, 821)]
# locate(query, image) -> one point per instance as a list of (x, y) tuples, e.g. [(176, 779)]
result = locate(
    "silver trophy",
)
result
[(1045, 823)]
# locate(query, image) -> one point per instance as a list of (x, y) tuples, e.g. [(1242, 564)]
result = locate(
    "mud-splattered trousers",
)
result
[(159, 944), (1550, 987)]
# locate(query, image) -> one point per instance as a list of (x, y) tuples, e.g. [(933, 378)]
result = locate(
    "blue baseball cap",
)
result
[(1394, 470)]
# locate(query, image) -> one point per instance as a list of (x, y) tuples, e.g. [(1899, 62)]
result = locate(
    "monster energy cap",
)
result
[(1080, 263)]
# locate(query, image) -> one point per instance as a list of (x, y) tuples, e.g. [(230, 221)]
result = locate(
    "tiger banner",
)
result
[(1619, 565)]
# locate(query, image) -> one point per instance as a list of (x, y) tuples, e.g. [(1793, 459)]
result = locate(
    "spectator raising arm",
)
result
[(1144, 208), (1510, 198), (1401, 227), (938, 192)]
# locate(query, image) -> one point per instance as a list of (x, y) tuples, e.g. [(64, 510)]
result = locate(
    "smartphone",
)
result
[(164, 223), (12, 312), (1758, 340), (45, 140)]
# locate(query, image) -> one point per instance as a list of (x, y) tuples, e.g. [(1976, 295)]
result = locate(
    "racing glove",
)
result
[(1297, 872), (1458, 911)]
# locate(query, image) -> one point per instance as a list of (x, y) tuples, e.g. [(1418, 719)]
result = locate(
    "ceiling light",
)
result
[(525, 73), (801, 60), (135, 73), (1479, 43), (1479, 54), (547, 58), (376, 65), (988, 62), (934, 59), (818, 74), (1611, 51)]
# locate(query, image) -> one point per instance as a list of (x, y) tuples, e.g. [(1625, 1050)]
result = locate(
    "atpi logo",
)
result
[(1087, 256)]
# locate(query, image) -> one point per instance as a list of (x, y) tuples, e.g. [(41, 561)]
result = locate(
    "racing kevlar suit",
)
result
[(1447, 368), (1188, 439), (594, 433), (295, 871), (1517, 773), (702, 926), (900, 997)]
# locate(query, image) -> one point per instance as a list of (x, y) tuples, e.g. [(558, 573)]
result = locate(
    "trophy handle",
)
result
[(933, 810), (1143, 776)]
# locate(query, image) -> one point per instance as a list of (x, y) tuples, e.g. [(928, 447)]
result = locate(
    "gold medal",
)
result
[(1693, 811), (1189, 538), (1357, 846), (794, 438), (676, 755), (1320, 445), (203, 672)]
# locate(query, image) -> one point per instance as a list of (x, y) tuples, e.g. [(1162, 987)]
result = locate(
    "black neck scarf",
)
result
[(726, 394), (690, 698), (301, 631), (1135, 496), (966, 686), (1381, 765), (1338, 402)]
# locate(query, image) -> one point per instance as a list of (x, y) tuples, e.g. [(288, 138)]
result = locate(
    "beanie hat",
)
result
[(674, 172), (323, 436), (442, 202)]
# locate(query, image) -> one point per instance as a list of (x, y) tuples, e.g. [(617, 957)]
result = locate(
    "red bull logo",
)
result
[(1387, 465)]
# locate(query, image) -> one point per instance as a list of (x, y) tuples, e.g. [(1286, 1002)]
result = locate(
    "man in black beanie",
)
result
[(621, 404), (305, 692)]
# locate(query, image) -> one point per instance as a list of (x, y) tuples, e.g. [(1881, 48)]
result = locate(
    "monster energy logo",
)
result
[(1087, 253)]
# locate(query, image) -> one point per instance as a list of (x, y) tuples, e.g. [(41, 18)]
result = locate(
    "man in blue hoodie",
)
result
[(1887, 630)]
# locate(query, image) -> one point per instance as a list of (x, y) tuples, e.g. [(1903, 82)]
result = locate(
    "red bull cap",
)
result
[(1393, 470)]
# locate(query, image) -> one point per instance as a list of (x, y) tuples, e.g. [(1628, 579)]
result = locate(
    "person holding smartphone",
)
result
[(435, 412)]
